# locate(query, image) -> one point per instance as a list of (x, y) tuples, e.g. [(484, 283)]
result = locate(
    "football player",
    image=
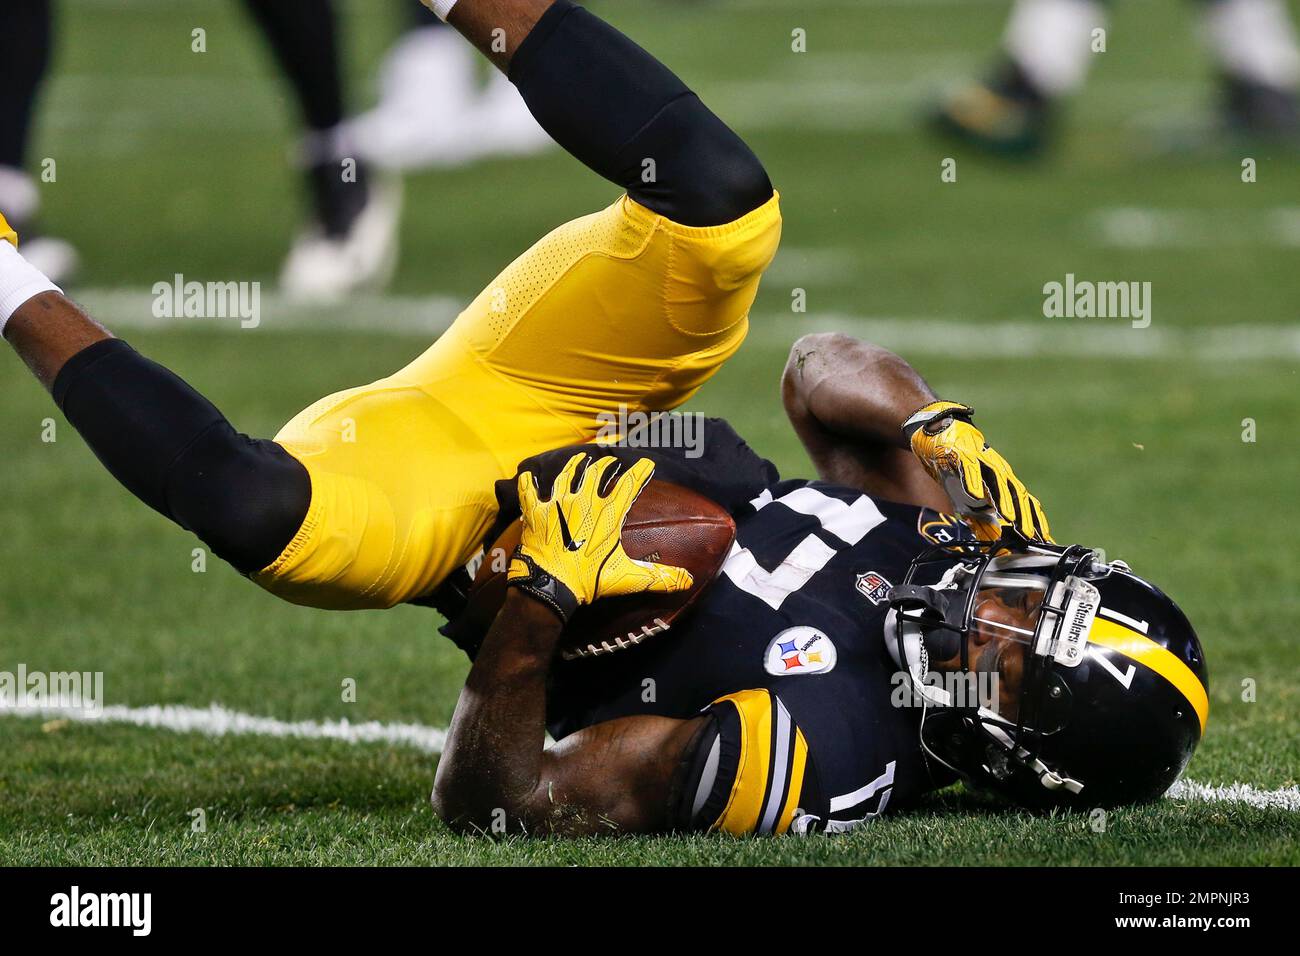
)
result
[(371, 497), (1048, 47), (860, 647)]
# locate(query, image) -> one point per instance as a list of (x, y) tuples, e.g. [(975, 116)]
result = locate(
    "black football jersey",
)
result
[(795, 617)]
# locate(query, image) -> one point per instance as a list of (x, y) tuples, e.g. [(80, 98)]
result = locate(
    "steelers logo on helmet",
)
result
[(1102, 684), (940, 528)]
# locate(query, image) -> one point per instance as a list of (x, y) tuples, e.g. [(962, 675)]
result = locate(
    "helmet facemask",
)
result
[(1009, 622)]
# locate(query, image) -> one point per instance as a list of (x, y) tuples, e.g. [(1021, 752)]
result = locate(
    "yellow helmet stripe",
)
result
[(1140, 648)]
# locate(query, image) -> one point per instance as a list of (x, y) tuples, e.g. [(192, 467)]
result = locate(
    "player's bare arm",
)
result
[(614, 776), (619, 776), (869, 421), (47, 330), (496, 27)]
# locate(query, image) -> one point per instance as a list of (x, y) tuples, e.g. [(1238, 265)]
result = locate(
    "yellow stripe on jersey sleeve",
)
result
[(769, 776)]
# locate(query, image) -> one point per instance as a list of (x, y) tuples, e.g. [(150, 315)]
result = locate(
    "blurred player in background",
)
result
[(350, 241), (1045, 57), (471, 117)]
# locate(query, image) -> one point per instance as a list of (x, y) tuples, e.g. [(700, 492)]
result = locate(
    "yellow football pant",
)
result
[(619, 307)]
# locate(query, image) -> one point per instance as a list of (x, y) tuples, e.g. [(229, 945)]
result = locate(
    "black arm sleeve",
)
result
[(626, 116), (171, 448)]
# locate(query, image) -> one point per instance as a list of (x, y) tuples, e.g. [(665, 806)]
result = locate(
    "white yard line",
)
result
[(131, 309), (1043, 338), (218, 721), (1142, 227), (1284, 798)]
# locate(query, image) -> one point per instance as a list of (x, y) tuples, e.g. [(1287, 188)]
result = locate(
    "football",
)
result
[(668, 524)]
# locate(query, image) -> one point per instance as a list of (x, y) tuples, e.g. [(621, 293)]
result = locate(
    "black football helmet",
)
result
[(1113, 688)]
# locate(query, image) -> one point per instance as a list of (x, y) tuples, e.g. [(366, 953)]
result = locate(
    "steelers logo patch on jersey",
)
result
[(799, 650)]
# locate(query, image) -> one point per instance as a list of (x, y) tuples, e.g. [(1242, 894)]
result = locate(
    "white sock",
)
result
[(441, 8), (1050, 40), (326, 145), (1254, 40), (19, 281)]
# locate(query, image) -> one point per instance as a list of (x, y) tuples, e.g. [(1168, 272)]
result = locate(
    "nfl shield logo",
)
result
[(873, 586)]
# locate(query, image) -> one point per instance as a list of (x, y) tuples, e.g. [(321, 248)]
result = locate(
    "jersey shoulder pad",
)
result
[(751, 770)]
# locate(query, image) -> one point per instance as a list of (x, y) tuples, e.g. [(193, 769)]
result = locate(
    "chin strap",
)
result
[(1049, 778), (440, 8)]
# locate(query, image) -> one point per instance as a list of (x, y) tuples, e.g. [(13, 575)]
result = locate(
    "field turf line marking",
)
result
[(1284, 798), (1044, 338), (218, 721), (1142, 227), (428, 317)]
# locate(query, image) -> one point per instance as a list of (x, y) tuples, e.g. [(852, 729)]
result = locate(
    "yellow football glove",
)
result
[(572, 552), (7, 233), (978, 481)]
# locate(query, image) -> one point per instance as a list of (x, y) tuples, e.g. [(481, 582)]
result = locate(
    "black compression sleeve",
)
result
[(626, 116), (171, 448)]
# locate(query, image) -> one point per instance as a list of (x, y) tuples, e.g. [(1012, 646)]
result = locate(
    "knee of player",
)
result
[(734, 184), (241, 533), (716, 178), (741, 179), (245, 499)]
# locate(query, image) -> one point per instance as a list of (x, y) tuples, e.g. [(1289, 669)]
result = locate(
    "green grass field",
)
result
[(169, 162)]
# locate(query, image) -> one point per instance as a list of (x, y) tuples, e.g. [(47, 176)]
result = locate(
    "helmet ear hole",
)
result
[(1051, 712)]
